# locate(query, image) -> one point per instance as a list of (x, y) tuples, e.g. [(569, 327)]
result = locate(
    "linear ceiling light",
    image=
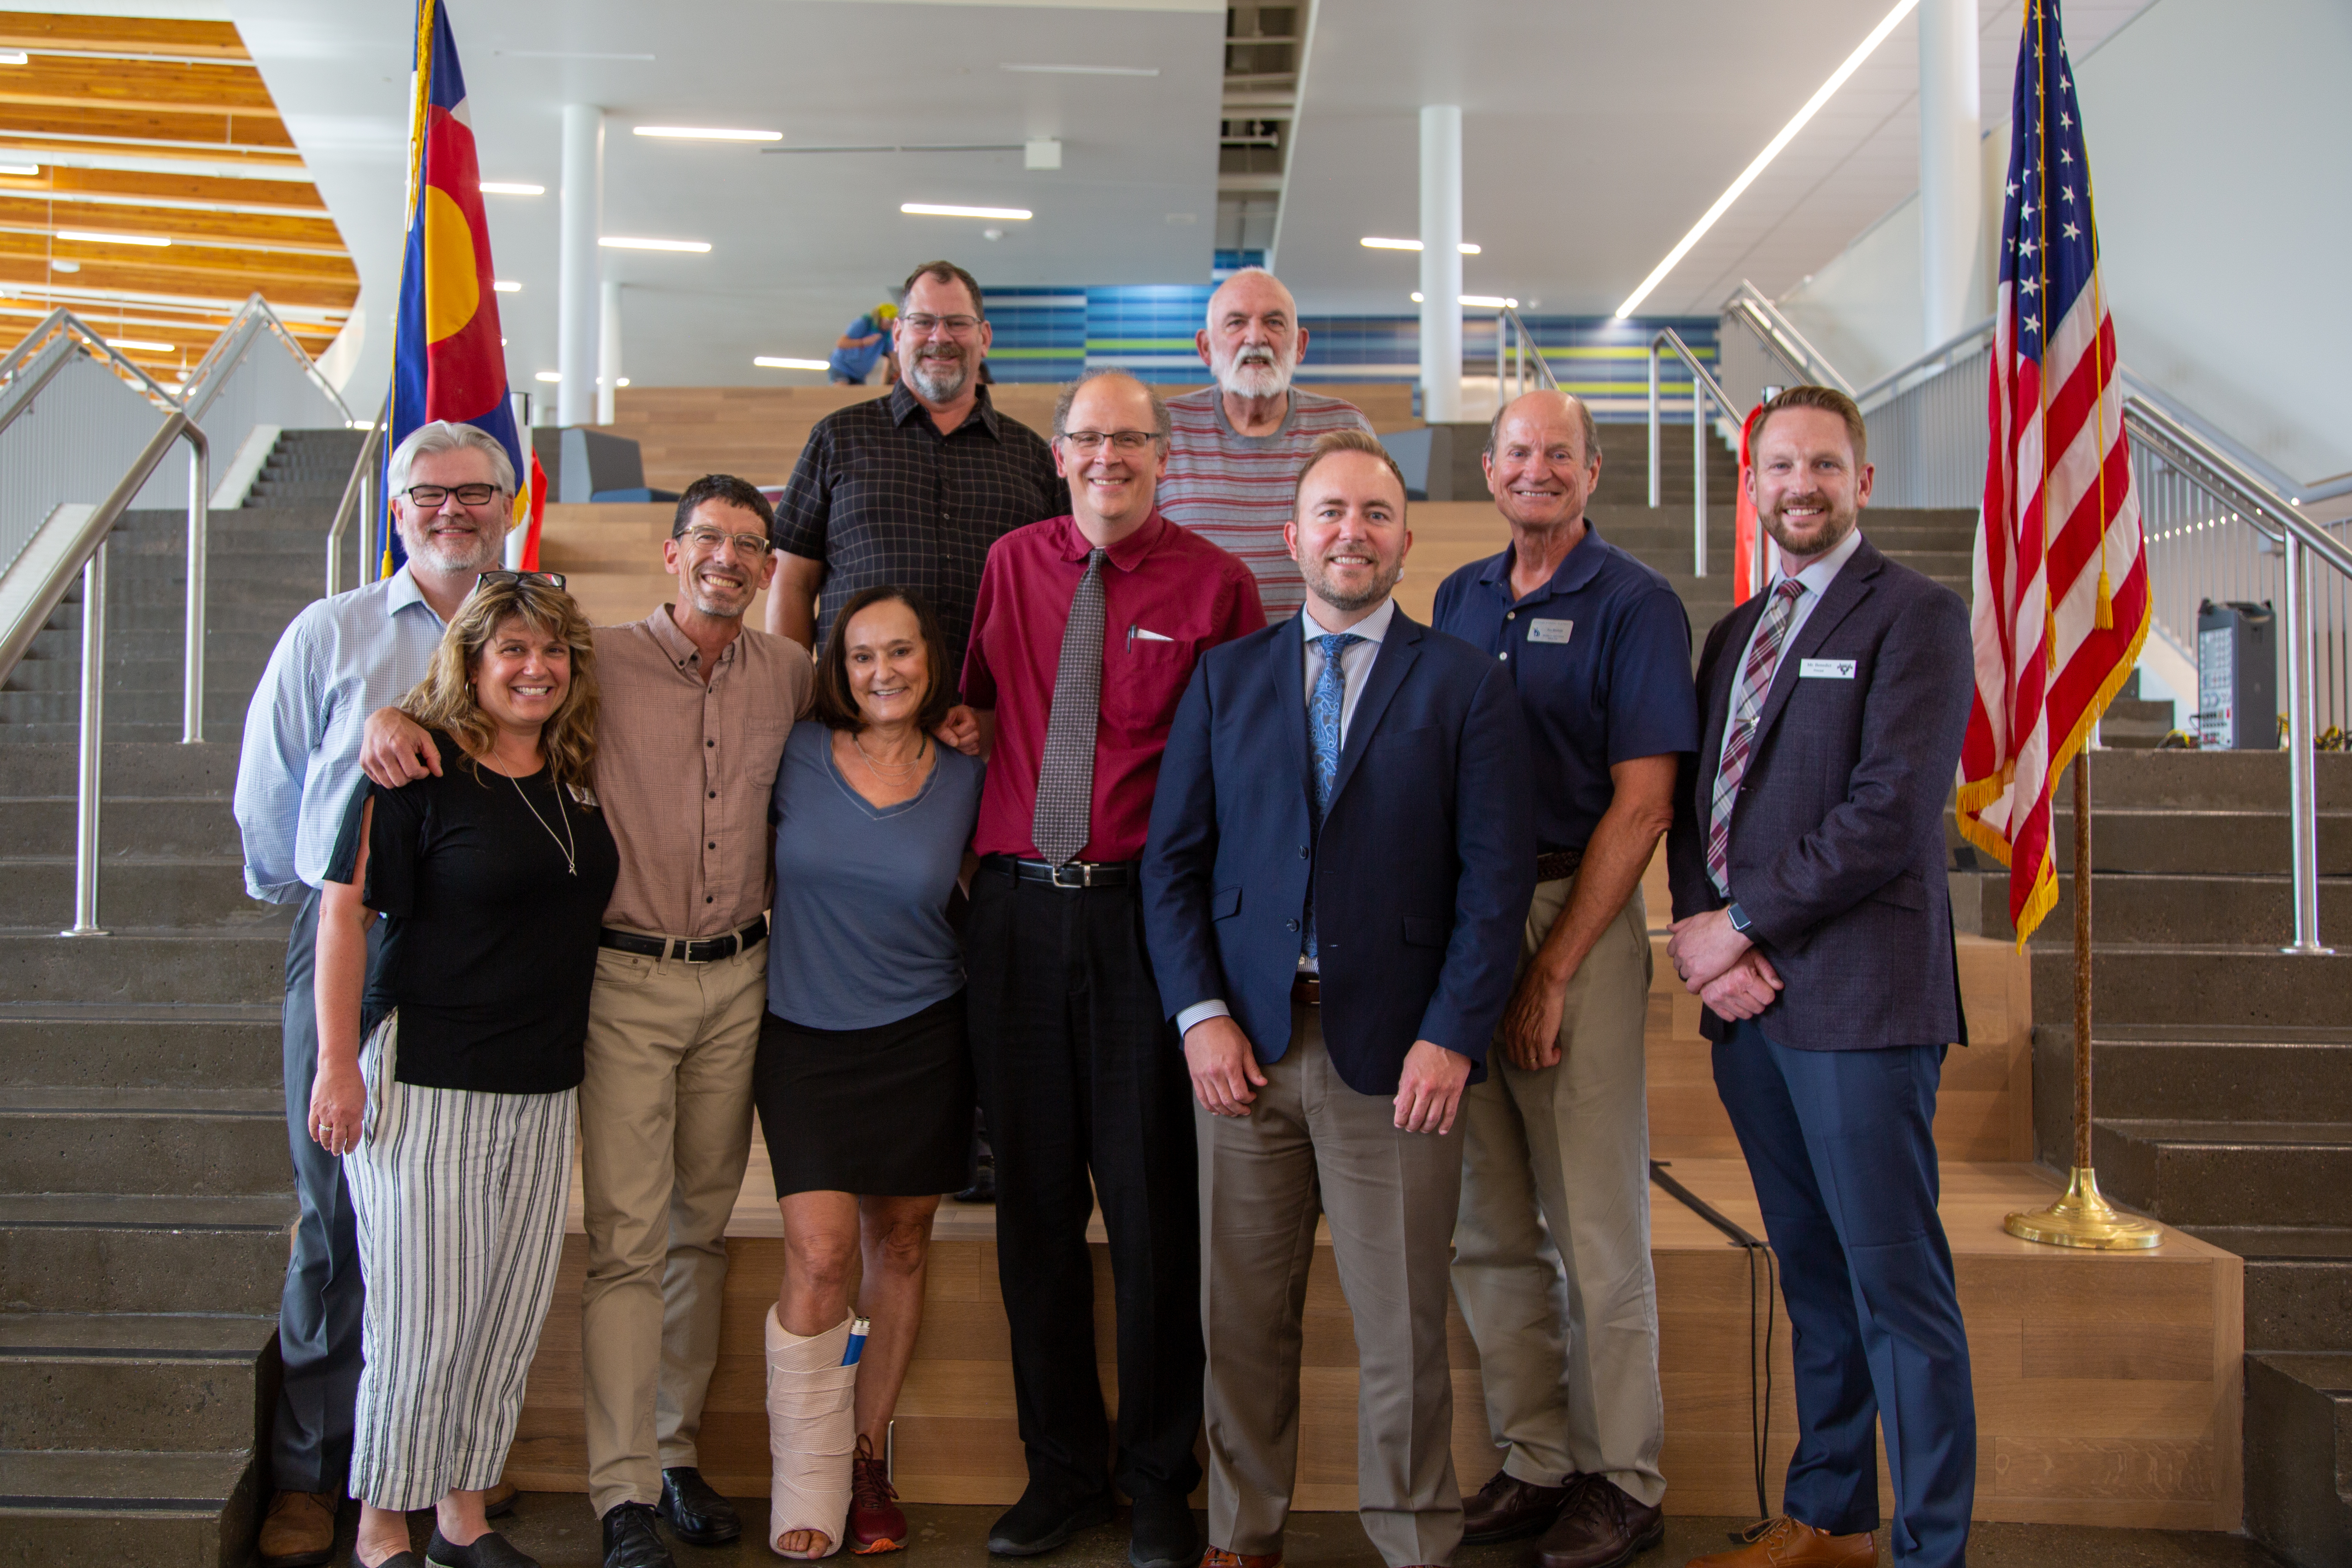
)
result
[(1078, 70), (89, 238), (15, 57), (771, 362), (511, 188), (1771, 150), (507, 286), (1479, 301), (27, 170), (624, 242), (707, 133), (147, 345), (933, 209), (1370, 243), (549, 375)]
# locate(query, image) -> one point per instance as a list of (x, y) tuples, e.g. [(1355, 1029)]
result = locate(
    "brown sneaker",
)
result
[(299, 1532), (875, 1521), (1218, 1557), (1506, 1507), (1788, 1544), (1600, 1527)]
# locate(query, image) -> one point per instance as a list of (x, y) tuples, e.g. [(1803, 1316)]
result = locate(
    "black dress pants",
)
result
[(1081, 1075)]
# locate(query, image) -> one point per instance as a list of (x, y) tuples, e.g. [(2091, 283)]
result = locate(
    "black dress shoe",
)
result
[(1508, 1508), (1162, 1533), (1602, 1527), (1040, 1522), (631, 1539), (488, 1549), (695, 1509)]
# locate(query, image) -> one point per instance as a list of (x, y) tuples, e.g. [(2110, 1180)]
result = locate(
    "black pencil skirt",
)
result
[(881, 1113)]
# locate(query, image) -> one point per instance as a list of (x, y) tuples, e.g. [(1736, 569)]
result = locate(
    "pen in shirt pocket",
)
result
[(1136, 634)]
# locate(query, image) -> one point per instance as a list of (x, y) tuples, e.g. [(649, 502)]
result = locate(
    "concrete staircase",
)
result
[(145, 1196), (2222, 1079)]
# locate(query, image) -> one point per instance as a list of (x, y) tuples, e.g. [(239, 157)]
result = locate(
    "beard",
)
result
[(453, 554), (938, 377), (1829, 532), (1254, 373), (1383, 583), (719, 601)]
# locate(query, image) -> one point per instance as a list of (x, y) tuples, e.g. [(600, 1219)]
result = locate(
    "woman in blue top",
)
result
[(863, 1079)]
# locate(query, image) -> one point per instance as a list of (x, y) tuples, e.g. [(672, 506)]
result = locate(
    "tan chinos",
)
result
[(1552, 1247), (1312, 1145), (665, 1130)]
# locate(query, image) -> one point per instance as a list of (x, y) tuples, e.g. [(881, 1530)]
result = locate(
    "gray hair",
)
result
[(1583, 415), (1162, 425), (1209, 311), (447, 435)]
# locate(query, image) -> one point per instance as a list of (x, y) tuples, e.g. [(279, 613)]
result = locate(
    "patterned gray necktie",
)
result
[(1065, 771)]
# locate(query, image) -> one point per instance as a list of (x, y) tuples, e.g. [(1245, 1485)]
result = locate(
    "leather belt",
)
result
[(1554, 864), (707, 950), (1071, 875), (1306, 991)]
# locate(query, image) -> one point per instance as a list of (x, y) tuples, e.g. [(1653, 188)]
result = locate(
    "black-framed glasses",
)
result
[(430, 497), (552, 579), (1121, 440), (922, 322)]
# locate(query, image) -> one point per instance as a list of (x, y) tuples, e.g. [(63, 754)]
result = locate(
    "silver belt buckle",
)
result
[(1084, 872)]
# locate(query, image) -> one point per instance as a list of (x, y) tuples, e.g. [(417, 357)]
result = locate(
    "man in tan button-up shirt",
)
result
[(673, 1022)]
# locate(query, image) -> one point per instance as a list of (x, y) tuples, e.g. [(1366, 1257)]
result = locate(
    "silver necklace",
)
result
[(571, 849), (896, 773)]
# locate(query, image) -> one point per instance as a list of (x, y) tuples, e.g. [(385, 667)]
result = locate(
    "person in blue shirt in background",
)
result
[(865, 340)]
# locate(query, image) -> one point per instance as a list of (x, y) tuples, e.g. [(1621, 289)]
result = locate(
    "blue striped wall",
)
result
[(1049, 334)]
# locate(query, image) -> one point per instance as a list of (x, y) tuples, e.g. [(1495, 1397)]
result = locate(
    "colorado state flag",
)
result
[(449, 361)]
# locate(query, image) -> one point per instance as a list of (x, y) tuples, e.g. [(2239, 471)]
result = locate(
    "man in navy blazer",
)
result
[(1806, 863), (1341, 853)]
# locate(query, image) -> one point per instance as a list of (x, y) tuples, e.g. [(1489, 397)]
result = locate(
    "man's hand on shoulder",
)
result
[(1704, 946), (1224, 1068), (1430, 1089), (960, 731), (1745, 989), (394, 750)]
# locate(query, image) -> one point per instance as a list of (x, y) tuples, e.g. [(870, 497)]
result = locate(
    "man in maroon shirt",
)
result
[(1083, 639)]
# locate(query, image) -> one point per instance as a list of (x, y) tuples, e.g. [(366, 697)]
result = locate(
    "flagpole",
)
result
[(2082, 1217)]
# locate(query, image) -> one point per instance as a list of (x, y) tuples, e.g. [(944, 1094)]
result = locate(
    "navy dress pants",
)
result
[(1842, 1147), (319, 1314)]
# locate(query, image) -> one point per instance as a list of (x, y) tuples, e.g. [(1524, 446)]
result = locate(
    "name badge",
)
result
[(1550, 631), (1825, 669)]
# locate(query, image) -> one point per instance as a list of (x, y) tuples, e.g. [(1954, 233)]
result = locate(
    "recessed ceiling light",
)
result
[(58, 264), (707, 133), (566, 55), (549, 375), (1478, 301), (1369, 243), (1079, 70), (90, 237), (621, 381), (624, 242), (771, 362), (27, 170), (146, 345), (511, 188), (507, 286), (1771, 150), (15, 57), (934, 209)]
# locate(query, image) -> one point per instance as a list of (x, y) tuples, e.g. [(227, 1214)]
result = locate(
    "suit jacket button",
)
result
[(1302, 852), (1290, 925)]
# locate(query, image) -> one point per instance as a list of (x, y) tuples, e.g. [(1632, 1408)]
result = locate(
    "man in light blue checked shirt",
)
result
[(341, 658)]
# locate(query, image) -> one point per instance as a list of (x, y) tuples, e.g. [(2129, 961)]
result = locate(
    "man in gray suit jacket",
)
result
[(1806, 863)]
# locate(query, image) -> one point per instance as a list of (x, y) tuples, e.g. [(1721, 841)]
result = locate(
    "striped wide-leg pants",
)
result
[(460, 1199)]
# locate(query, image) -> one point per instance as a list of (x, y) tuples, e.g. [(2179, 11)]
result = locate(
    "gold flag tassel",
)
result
[(2104, 618), (2050, 639)]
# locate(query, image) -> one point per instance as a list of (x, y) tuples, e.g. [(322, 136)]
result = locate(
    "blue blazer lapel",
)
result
[(1398, 651), (1287, 656), (1849, 589)]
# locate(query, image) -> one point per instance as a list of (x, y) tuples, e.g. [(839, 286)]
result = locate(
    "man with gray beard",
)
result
[(1238, 446), (911, 489)]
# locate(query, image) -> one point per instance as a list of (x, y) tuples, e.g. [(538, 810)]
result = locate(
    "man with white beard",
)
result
[(1237, 448), (911, 489)]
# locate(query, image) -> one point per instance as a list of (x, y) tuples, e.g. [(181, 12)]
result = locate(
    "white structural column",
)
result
[(608, 350), (1441, 262), (576, 301), (1951, 182)]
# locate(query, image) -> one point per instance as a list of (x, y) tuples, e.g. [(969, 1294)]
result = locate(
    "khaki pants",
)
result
[(1551, 1257), (1309, 1145), (665, 1130)]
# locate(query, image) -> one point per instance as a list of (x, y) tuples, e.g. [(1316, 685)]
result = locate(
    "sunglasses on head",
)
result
[(552, 579)]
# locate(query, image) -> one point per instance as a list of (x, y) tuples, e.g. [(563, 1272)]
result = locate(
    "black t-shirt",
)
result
[(489, 943)]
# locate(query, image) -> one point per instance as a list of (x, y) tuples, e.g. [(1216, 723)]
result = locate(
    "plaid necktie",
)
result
[(1323, 729), (1066, 770), (1746, 703)]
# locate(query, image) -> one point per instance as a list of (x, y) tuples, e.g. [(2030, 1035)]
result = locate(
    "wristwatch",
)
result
[(1738, 918)]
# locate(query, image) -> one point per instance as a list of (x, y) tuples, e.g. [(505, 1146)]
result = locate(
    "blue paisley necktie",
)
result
[(1323, 731)]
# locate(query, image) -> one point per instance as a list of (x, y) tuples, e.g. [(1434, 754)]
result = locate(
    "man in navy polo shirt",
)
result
[(1555, 1178)]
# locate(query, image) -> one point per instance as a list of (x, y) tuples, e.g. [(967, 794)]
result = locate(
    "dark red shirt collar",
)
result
[(1127, 554)]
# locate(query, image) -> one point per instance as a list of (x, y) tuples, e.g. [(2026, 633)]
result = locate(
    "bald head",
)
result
[(1253, 340), (1548, 407), (1542, 461)]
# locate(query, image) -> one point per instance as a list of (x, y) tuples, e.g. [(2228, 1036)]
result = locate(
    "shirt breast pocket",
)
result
[(1143, 679)]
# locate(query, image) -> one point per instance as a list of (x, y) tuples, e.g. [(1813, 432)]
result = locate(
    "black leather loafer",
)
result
[(1040, 1522), (630, 1539), (696, 1511), (1163, 1534), (488, 1549)]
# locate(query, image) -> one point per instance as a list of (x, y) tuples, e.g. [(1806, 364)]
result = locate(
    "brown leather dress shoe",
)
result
[(1218, 1557), (1600, 1527), (1506, 1507), (1789, 1544), (299, 1532)]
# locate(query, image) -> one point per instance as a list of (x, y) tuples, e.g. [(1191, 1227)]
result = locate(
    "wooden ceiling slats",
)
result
[(136, 85), (172, 223), (199, 128), (125, 35), (66, 182)]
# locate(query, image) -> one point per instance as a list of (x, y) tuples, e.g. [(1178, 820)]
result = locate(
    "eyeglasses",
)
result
[(923, 321), (552, 579), (752, 546), (430, 497), (1124, 441)]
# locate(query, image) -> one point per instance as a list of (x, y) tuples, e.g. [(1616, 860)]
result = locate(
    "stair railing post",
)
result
[(192, 700), (1653, 425), (2301, 802), (93, 717), (1698, 475)]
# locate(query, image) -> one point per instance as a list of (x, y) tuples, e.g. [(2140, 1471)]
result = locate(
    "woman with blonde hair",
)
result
[(455, 1120)]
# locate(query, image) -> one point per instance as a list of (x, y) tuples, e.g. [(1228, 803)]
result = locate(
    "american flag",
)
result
[(2062, 601)]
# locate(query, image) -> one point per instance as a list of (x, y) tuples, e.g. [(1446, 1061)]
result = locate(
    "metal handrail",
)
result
[(1760, 315), (1936, 361), (16, 395), (1702, 386), (1523, 352), (359, 500), (203, 383)]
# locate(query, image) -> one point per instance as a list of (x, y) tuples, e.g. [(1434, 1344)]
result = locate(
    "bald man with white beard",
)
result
[(1237, 447)]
